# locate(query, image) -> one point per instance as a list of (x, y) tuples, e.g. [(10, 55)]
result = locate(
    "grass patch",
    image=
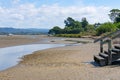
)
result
[(69, 35)]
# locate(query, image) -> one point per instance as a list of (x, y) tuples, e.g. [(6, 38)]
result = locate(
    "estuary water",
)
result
[(10, 56)]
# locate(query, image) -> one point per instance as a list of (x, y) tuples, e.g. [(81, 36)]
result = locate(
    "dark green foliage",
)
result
[(106, 27), (69, 35), (114, 13), (55, 30), (89, 28), (69, 30), (84, 23), (69, 22), (96, 25), (117, 19), (117, 25), (75, 28)]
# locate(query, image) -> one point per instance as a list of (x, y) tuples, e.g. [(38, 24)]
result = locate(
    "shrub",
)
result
[(69, 35), (106, 27), (118, 25)]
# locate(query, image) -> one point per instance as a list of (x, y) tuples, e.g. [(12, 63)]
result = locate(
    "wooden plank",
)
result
[(117, 47), (100, 60), (103, 55), (98, 57), (118, 35), (116, 50)]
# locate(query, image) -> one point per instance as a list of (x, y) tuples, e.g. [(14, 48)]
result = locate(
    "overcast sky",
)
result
[(49, 13)]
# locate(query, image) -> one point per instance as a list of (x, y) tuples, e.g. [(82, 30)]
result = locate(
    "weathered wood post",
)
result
[(109, 51), (101, 46)]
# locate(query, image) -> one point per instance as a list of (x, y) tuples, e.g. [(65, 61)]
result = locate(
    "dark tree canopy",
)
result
[(117, 19), (69, 22), (72, 26), (55, 30), (114, 13), (96, 25), (84, 23)]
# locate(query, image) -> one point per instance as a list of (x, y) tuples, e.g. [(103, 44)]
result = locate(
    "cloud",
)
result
[(15, 1), (47, 16)]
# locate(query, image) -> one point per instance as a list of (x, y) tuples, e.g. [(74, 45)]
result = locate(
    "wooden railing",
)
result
[(114, 34), (107, 39)]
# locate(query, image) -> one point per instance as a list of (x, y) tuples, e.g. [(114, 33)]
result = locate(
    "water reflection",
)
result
[(9, 56)]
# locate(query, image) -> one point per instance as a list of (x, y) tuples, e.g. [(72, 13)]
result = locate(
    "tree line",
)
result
[(74, 27)]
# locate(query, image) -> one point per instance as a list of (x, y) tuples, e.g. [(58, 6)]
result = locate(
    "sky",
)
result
[(50, 13)]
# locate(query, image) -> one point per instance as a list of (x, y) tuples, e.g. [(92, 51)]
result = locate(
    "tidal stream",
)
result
[(10, 56)]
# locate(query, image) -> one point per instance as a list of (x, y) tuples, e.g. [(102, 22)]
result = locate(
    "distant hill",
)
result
[(34, 31)]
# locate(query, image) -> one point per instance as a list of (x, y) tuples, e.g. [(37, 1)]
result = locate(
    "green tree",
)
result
[(69, 22), (84, 23), (72, 26), (114, 13), (67, 30), (77, 27), (55, 30), (96, 25)]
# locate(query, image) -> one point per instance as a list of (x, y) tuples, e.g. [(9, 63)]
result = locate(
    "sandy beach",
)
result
[(63, 63)]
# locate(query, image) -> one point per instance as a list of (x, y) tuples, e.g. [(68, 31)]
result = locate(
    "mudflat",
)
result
[(15, 40), (63, 63)]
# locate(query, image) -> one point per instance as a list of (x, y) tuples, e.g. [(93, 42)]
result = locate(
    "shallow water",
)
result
[(10, 56)]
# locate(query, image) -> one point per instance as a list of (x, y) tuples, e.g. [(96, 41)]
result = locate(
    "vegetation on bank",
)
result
[(74, 28)]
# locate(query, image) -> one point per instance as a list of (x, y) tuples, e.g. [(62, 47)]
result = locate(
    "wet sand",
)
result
[(15, 40), (64, 63)]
